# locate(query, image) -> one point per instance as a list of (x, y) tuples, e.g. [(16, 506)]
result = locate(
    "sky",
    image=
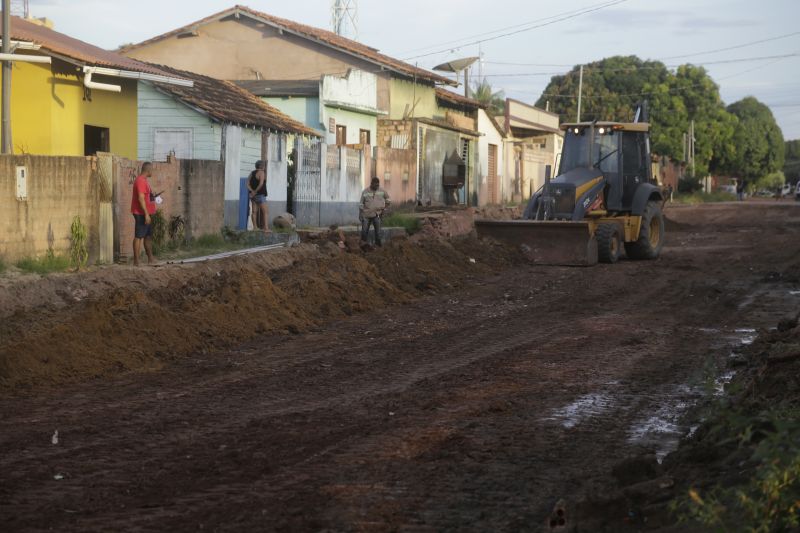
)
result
[(430, 32)]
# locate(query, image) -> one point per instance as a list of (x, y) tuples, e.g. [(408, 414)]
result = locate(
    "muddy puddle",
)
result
[(658, 418)]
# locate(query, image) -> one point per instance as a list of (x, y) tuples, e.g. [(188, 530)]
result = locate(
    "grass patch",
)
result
[(209, 244), (411, 223), (44, 265), (704, 197)]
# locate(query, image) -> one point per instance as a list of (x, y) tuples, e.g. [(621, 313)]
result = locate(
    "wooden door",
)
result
[(492, 174)]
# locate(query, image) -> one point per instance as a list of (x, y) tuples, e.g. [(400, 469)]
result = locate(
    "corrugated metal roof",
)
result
[(226, 102), (280, 87), (79, 51), (324, 37)]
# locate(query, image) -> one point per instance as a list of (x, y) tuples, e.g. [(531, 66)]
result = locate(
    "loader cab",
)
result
[(619, 151)]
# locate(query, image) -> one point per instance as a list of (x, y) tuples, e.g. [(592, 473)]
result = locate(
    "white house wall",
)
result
[(351, 101), (490, 135), (157, 110)]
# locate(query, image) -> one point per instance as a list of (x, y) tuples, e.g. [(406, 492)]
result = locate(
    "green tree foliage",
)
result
[(614, 86), (494, 100), (791, 165), (758, 145)]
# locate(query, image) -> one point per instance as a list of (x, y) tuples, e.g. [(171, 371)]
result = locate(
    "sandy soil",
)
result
[(409, 389)]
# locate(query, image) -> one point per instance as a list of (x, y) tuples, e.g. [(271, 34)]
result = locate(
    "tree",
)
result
[(495, 101), (757, 140), (791, 165), (614, 86)]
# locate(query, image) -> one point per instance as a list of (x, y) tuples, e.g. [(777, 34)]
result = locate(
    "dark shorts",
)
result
[(141, 229), (260, 199)]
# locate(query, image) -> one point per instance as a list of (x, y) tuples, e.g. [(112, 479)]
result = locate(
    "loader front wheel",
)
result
[(651, 234), (609, 243)]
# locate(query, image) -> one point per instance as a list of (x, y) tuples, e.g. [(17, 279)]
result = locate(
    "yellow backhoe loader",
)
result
[(603, 200)]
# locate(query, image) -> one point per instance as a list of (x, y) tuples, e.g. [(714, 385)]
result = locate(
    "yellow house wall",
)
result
[(48, 112), (403, 95)]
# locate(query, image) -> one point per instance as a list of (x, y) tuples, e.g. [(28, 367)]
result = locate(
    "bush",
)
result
[(705, 197), (44, 265), (411, 223), (689, 185), (78, 249), (771, 181)]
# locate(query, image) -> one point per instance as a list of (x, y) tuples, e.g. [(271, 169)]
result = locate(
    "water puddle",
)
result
[(585, 407), (662, 430)]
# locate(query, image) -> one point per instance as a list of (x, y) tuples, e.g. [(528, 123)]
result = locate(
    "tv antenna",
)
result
[(344, 18), (20, 8)]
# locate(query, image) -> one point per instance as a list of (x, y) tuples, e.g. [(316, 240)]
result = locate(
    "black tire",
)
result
[(651, 234), (609, 243)]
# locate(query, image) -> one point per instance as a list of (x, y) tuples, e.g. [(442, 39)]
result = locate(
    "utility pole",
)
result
[(580, 93), (691, 146), (6, 104)]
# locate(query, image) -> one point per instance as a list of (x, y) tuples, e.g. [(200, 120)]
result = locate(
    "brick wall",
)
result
[(193, 189), (58, 189), (387, 129)]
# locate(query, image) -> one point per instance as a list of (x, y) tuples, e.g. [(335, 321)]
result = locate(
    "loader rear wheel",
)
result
[(609, 243), (651, 234)]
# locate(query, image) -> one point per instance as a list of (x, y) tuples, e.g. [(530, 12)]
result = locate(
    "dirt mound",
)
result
[(146, 323)]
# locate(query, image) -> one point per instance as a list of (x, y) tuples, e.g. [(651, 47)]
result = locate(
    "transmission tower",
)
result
[(344, 18), (20, 8)]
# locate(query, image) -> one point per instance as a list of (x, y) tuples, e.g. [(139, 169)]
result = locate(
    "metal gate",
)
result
[(308, 184)]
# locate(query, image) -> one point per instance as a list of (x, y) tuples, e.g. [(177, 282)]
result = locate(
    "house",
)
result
[(361, 94), (240, 43), (533, 149), (83, 102), (342, 108), (217, 120), (491, 155)]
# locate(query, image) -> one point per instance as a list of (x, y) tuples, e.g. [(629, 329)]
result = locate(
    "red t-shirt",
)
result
[(141, 186)]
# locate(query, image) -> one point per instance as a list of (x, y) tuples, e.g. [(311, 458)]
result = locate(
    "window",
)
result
[(96, 139), (341, 135), (176, 141), (363, 137)]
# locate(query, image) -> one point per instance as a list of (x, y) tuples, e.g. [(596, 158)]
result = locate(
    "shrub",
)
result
[(78, 249), (411, 223)]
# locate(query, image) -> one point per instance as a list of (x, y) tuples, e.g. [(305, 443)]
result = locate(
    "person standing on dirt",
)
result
[(257, 188), (374, 201), (142, 208), (740, 190)]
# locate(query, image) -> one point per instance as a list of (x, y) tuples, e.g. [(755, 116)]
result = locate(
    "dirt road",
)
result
[(474, 409)]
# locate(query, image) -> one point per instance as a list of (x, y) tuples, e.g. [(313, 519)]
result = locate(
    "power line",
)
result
[(543, 24), (735, 46)]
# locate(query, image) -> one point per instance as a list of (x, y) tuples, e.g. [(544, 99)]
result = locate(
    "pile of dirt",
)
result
[(145, 323)]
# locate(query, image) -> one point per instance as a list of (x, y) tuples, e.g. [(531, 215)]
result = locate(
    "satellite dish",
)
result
[(457, 65)]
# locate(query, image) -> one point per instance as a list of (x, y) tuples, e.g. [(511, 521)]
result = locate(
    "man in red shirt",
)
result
[(142, 206)]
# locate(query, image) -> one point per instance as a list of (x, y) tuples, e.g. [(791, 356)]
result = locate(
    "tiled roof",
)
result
[(280, 87), (324, 37), (227, 102), (457, 99), (68, 47)]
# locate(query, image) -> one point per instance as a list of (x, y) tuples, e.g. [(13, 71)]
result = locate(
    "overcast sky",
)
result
[(653, 29)]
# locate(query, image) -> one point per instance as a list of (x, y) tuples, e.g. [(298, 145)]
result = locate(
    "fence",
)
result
[(39, 198), (329, 181)]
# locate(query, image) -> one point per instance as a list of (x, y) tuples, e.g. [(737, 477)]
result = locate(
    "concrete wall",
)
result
[(49, 109), (490, 137), (58, 189), (397, 171), (193, 189), (342, 184), (412, 100), (161, 111)]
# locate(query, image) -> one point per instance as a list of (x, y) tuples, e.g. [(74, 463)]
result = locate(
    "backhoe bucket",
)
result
[(546, 242)]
